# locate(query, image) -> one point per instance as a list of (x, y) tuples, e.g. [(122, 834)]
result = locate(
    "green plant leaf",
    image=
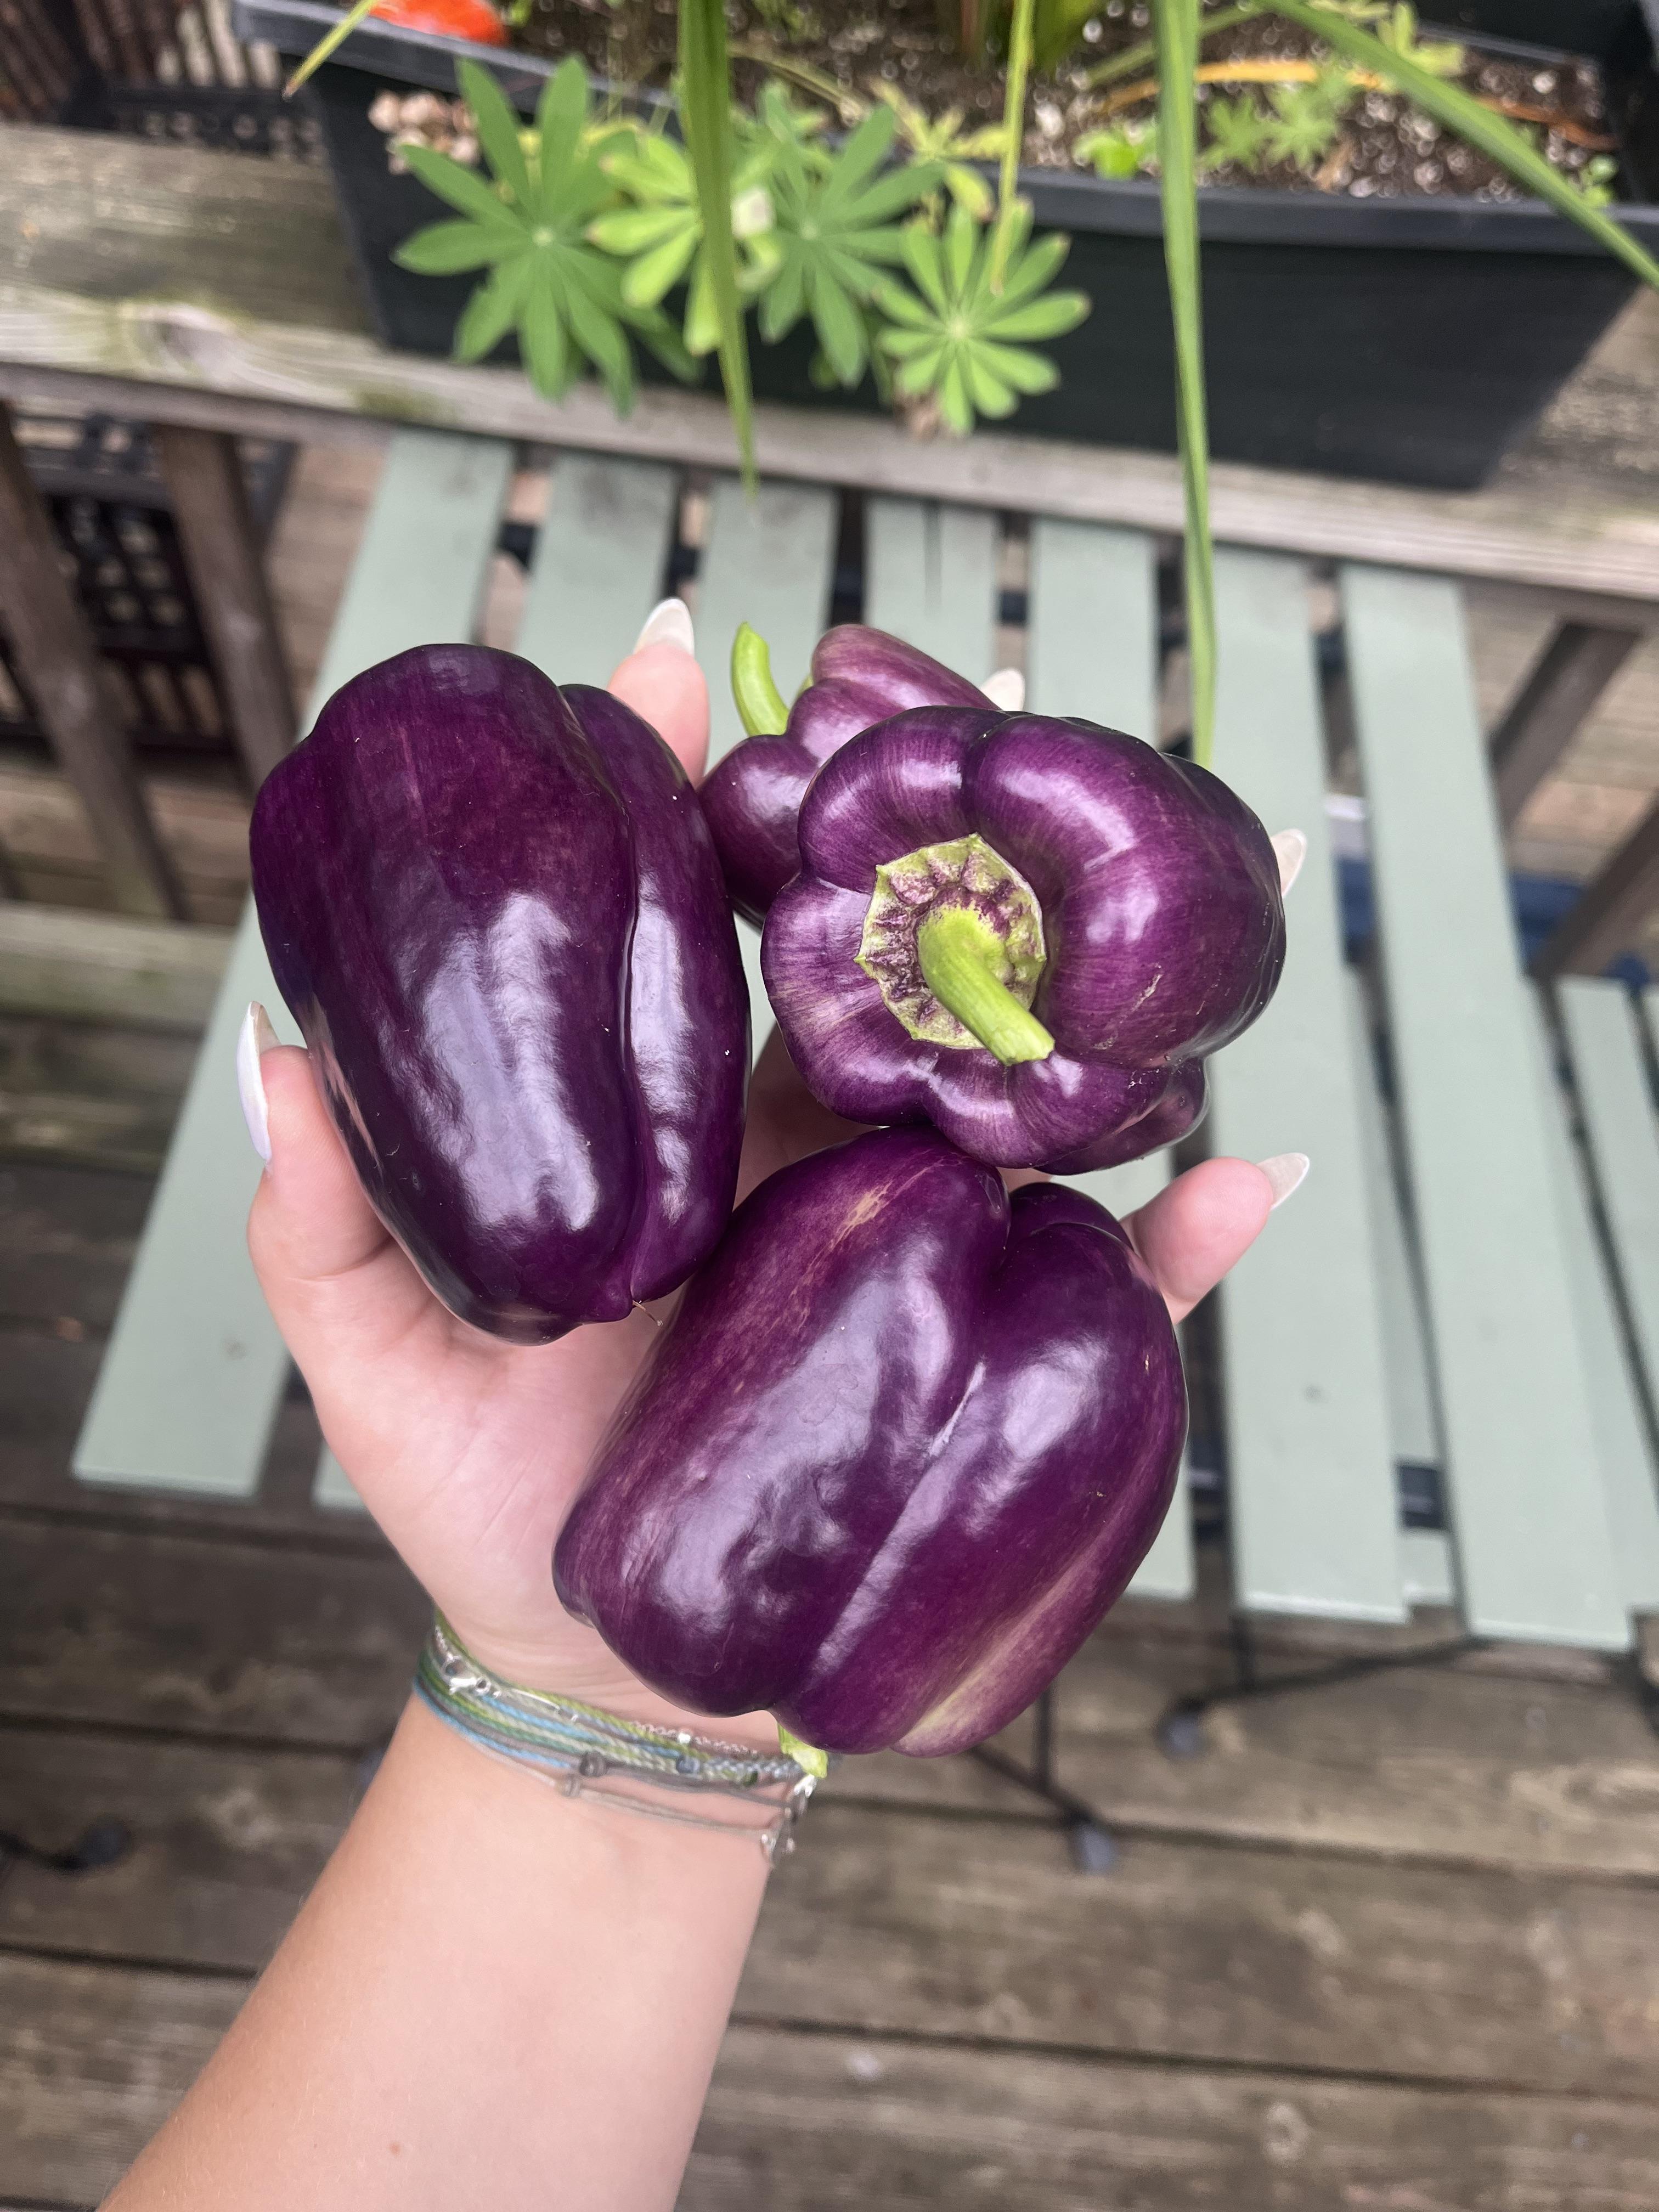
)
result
[(650, 277), (497, 126), (464, 189), (1304, 122), (1174, 26), (834, 237), (1457, 111), (446, 249), (547, 354), (705, 112), (840, 327), (603, 339), (1238, 133), (950, 336), (629, 231), (1050, 317), (559, 114), (493, 309)]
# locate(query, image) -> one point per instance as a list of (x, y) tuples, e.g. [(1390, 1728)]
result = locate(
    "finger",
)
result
[(785, 1120), (662, 681), (340, 1289), (1205, 1221)]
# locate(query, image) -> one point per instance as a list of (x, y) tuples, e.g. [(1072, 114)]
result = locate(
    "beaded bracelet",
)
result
[(585, 1753)]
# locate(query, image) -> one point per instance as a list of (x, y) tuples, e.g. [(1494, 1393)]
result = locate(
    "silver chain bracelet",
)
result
[(583, 1752)]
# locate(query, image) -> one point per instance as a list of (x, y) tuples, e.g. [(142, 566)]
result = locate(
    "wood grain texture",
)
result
[(966, 1929), (73, 1091), (93, 2058), (1570, 674), (818, 2123), (135, 1627), (226, 1844), (204, 1635), (957, 1927), (208, 492), (57, 656), (163, 267), (107, 968)]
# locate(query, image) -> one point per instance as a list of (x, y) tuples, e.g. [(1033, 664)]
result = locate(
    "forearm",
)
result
[(496, 1997)]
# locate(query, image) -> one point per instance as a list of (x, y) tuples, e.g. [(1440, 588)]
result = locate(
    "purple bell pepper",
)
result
[(904, 1442), (753, 796), (494, 909), (1029, 932)]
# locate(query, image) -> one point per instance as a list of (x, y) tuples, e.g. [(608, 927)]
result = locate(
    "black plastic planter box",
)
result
[(1409, 340)]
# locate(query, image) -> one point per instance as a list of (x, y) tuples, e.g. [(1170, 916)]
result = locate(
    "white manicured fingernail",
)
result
[(669, 622), (1292, 847), (1285, 1172), (257, 1037), (1006, 689)]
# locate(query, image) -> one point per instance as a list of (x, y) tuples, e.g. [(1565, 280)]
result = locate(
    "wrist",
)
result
[(653, 1766), (595, 1677)]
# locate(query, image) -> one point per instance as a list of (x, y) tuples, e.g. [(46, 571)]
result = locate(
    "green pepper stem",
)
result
[(807, 1756), (956, 950), (760, 705)]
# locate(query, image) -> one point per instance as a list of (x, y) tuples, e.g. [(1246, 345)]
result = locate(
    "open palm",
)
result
[(468, 1451)]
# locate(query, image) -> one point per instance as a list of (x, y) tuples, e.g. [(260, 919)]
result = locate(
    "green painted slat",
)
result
[(601, 556), (769, 560), (931, 577), (1092, 633), (1536, 1555), (1426, 1571), (189, 1386), (1167, 1570), (1620, 1129), (1091, 649), (1414, 1428), (1600, 1021), (1312, 1505)]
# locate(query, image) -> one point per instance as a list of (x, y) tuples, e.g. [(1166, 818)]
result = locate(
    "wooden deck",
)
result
[(1391, 1944)]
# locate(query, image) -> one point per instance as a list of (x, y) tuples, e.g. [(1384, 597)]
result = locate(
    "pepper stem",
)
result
[(761, 706), (807, 1756), (956, 952)]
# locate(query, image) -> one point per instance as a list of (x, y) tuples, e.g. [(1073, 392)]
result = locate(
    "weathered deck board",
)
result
[(965, 1927), (222, 1642), (92, 2058)]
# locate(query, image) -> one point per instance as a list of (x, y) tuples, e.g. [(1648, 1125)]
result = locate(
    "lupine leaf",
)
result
[(493, 309), (498, 129), (463, 188), (447, 249)]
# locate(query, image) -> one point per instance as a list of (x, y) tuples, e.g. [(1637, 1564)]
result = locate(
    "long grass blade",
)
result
[(1457, 111), (326, 44), (706, 113), (1021, 34), (1174, 27)]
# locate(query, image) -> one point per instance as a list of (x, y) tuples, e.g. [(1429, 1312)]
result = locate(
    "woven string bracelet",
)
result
[(583, 1752)]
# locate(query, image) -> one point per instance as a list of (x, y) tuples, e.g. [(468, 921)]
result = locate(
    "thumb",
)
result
[(661, 680), (340, 1289)]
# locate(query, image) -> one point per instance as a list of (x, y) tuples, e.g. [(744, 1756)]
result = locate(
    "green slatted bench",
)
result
[(1469, 1282)]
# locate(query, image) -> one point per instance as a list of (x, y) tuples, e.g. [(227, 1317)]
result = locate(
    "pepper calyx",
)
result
[(953, 940)]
